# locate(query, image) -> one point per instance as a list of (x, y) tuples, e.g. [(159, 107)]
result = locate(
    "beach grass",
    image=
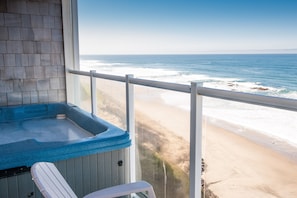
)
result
[(236, 165), (150, 142)]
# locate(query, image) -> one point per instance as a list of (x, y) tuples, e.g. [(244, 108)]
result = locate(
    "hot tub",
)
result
[(59, 133)]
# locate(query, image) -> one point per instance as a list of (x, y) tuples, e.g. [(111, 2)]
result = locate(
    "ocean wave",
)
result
[(182, 77), (267, 120)]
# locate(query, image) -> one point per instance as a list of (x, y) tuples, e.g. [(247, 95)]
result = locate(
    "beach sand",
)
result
[(236, 166)]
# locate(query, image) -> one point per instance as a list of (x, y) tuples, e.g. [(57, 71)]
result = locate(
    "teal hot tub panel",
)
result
[(53, 132)]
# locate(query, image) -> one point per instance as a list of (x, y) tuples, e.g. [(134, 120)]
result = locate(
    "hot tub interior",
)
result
[(42, 130), (51, 132)]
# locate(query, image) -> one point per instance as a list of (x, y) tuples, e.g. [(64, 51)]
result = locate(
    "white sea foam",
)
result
[(232, 84), (277, 123), (272, 122)]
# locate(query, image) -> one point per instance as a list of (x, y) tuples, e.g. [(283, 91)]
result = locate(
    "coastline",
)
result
[(250, 164), (235, 165)]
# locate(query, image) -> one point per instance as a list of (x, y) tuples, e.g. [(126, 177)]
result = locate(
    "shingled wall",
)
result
[(31, 52)]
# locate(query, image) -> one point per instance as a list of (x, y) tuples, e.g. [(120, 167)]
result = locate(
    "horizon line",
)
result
[(265, 51), (147, 54)]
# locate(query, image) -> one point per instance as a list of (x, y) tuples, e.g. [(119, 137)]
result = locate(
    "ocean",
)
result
[(264, 74)]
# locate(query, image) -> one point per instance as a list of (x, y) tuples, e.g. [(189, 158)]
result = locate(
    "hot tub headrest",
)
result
[(85, 120)]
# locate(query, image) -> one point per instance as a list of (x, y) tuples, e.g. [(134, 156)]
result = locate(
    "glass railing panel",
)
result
[(162, 138), (111, 102), (249, 150), (82, 92)]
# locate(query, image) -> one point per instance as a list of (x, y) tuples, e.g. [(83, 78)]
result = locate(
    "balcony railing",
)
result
[(196, 93)]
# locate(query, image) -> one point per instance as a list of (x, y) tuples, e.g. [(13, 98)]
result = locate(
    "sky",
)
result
[(187, 26)]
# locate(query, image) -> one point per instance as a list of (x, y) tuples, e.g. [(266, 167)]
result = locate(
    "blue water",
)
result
[(267, 74)]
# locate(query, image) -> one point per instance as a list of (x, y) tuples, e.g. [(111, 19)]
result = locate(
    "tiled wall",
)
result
[(31, 52)]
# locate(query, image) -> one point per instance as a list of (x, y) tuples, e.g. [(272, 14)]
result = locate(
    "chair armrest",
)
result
[(124, 189)]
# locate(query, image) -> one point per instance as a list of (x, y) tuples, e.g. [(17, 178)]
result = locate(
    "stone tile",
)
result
[(36, 21), (12, 19), (45, 47), (26, 20), (33, 7), (25, 61), (6, 86), (27, 34), (3, 99), (3, 34), (1, 16), (42, 34), (30, 32), (43, 8), (54, 83), (55, 1), (2, 72), (62, 59), (57, 47), (29, 47), (14, 6), (51, 71), (45, 59), (14, 47), (34, 59), (26, 97), (14, 33), (34, 97), (42, 96), (18, 85), (3, 47), (18, 60), (8, 73), (43, 84), (62, 83), (1, 60), (30, 72), (58, 23), (14, 98), (39, 72), (48, 21), (62, 96), (53, 96), (19, 73), (9, 59), (30, 85), (61, 71), (57, 35), (55, 9), (56, 59)]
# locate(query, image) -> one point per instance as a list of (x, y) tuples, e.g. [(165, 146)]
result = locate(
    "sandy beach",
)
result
[(236, 166)]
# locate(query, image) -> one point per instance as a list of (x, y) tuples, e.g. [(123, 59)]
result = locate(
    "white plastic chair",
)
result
[(52, 184)]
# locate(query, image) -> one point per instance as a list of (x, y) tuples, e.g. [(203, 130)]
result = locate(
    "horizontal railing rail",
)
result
[(268, 101), (196, 93)]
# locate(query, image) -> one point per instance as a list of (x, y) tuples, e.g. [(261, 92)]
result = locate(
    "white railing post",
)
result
[(93, 92), (195, 142), (131, 125)]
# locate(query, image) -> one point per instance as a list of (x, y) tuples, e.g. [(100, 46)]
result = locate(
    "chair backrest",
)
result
[(50, 182)]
